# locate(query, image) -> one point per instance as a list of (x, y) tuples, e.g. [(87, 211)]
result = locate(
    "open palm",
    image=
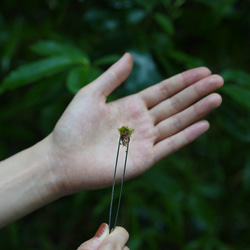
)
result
[(164, 117)]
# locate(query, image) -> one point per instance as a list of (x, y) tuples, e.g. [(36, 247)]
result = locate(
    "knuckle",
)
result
[(176, 104)]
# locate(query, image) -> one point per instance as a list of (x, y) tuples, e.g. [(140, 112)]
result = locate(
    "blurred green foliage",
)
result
[(197, 198)]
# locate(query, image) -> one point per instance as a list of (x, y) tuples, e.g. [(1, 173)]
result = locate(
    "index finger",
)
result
[(167, 88)]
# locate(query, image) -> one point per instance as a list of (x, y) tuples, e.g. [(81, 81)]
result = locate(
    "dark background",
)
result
[(197, 198)]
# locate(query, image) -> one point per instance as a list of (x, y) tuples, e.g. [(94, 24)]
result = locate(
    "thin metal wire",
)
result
[(113, 186), (120, 195)]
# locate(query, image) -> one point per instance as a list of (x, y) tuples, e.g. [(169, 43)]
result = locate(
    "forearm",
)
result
[(27, 182)]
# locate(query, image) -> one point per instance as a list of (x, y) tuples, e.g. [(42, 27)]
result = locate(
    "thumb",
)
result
[(95, 242), (114, 76)]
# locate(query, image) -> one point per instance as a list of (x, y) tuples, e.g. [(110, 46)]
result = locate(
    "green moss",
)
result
[(125, 130), (125, 133)]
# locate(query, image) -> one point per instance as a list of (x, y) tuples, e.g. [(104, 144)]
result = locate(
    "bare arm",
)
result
[(27, 182)]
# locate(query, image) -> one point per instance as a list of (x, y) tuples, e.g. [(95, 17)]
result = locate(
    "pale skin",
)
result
[(79, 154), (116, 240)]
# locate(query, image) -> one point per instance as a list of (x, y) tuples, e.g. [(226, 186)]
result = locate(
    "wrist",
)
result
[(50, 166), (59, 167)]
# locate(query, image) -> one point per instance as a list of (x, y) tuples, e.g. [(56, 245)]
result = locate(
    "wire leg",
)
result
[(113, 186), (120, 195)]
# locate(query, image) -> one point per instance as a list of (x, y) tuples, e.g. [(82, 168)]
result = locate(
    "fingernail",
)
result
[(102, 231)]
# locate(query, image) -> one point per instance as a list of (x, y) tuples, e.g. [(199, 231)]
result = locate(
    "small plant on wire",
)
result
[(125, 134)]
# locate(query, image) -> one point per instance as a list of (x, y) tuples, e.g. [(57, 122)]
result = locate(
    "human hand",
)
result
[(164, 116), (103, 240)]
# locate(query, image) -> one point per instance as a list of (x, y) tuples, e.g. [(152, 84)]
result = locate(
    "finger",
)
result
[(176, 123), (185, 97), (165, 89), (95, 242), (114, 76), (116, 240), (179, 140)]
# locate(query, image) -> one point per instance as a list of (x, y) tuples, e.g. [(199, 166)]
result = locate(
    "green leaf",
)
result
[(238, 93), (202, 212), (135, 16), (52, 48), (12, 44), (109, 59), (189, 61), (236, 76), (37, 70), (235, 122), (164, 22), (80, 76), (147, 5)]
